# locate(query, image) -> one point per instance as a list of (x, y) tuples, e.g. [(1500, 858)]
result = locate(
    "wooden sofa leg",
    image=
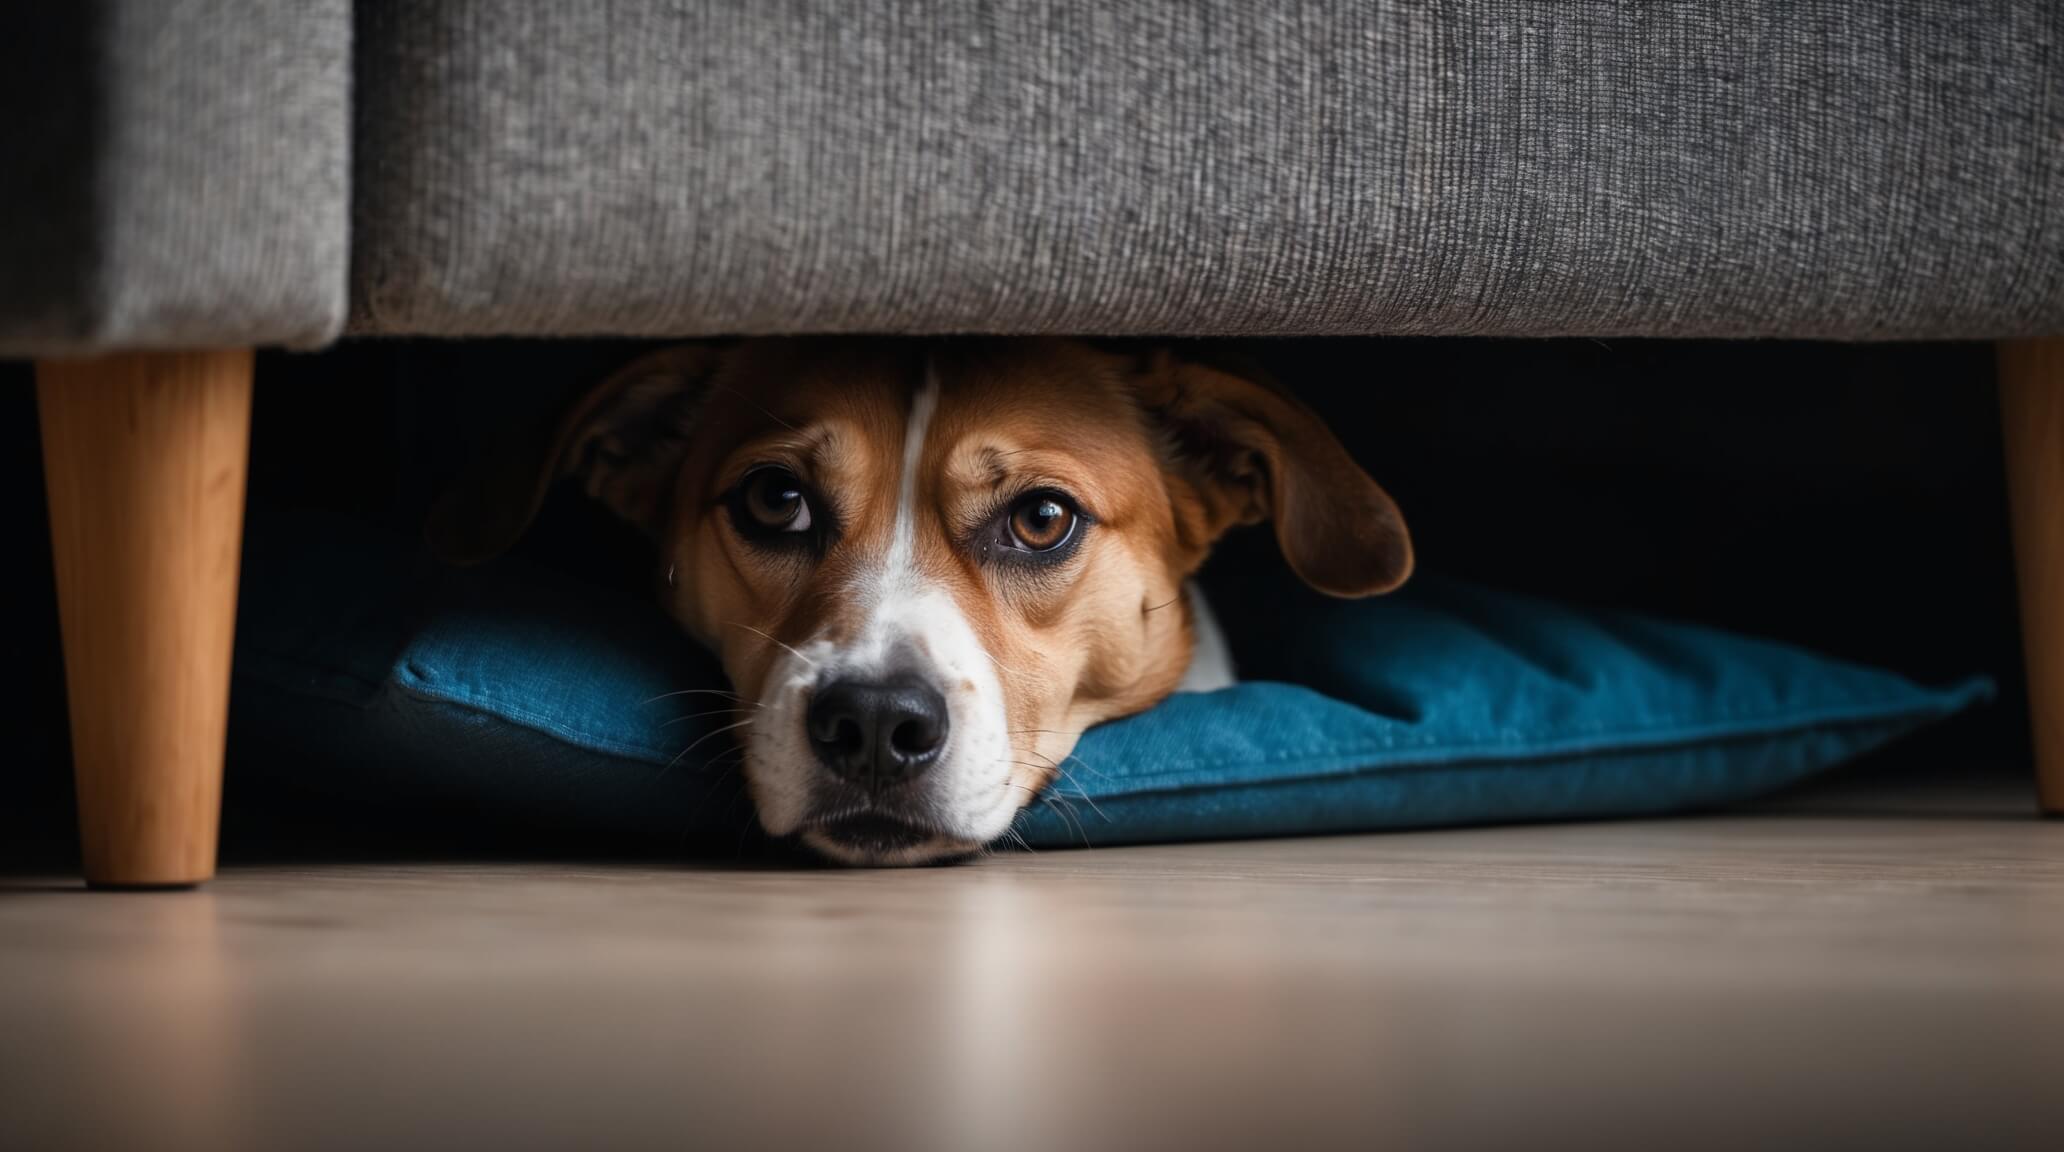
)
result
[(144, 457), (2032, 413)]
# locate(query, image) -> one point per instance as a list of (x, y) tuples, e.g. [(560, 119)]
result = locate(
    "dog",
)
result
[(928, 565)]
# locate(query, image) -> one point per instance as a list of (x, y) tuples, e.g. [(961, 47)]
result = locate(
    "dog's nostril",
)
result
[(877, 732), (914, 737)]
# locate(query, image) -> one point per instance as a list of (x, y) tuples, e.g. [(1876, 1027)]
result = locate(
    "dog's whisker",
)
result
[(1064, 776), (742, 706), (1083, 795), (706, 736), (770, 639), (1001, 666), (712, 712), (691, 692), (1067, 812), (1085, 765), (1048, 766), (1060, 766)]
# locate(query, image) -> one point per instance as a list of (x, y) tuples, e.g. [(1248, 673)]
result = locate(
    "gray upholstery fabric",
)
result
[(1837, 168), (173, 173)]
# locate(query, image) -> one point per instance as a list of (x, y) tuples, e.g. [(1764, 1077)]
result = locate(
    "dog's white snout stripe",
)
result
[(911, 624), (901, 562)]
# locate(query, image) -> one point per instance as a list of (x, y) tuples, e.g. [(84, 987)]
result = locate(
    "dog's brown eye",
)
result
[(1042, 522), (773, 501)]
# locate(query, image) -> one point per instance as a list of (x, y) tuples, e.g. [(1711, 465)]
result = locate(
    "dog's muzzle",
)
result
[(876, 739)]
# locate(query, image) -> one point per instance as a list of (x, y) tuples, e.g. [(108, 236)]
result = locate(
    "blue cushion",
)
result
[(518, 690)]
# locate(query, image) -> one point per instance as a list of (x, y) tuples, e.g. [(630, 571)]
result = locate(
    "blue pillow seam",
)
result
[(1720, 726), (1206, 791), (1891, 725)]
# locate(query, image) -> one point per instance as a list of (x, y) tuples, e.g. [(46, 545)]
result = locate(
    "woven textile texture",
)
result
[(1820, 168), (173, 173)]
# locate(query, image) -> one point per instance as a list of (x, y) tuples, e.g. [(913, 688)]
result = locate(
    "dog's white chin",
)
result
[(935, 850), (784, 809)]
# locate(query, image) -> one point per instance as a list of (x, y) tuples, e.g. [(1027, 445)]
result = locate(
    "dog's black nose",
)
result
[(877, 732)]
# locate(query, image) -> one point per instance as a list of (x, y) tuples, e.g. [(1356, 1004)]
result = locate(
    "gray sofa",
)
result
[(185, 179)]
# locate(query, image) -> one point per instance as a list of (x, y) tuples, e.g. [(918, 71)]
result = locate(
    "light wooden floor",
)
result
[(1793, 979)]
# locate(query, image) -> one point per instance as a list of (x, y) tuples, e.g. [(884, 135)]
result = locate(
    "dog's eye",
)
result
[(771, 501), (1041, 522)]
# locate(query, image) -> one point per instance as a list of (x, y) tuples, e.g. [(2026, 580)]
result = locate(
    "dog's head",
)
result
[(927, 566)]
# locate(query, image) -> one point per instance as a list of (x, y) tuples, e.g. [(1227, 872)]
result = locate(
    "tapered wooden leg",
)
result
[(144, 457), (2032, 413)]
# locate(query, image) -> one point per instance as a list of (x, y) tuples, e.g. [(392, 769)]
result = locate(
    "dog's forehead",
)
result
[(850, 403), (792, 385), (1052, 392)]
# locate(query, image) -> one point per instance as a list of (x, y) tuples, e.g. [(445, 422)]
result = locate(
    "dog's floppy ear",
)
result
[(1242, 451), (624, 441)]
